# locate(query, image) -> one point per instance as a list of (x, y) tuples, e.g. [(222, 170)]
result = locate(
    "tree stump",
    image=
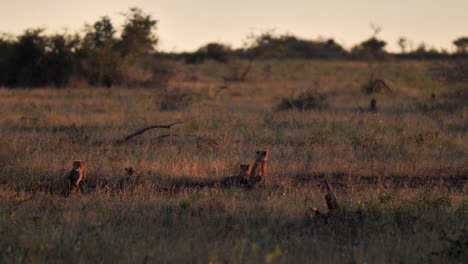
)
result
[(373, 105)]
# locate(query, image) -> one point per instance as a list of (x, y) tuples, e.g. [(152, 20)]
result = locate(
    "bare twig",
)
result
[(143, 130), (330, 197)]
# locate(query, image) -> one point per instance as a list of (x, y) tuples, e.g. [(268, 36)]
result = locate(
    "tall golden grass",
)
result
[(170, 218)]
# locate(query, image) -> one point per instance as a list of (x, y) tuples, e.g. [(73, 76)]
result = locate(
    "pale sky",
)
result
[(186, 25)]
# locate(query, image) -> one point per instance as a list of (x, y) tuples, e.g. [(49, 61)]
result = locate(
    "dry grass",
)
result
[(403, 168)]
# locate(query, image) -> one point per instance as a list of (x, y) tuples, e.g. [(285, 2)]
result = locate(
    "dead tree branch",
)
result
[(143, 130), (330, 197)]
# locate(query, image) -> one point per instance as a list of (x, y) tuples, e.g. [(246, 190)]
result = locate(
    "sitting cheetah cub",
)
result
[(242, 178), (74, 179), (259, 170), (129, 180)]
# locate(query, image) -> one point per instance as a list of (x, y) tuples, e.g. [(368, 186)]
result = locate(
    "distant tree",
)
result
[(98, 54), (36, 59), (137, 44), (214, 51), (461, 44), (100, 34), (461, 65), (372, 48), (138, 36), (6, 50), (336, 49), (60, 58), (268, 45), (421, 49), (403, 43), (26, 67)]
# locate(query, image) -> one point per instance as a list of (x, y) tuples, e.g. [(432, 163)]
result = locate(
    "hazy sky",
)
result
[(186, 25)]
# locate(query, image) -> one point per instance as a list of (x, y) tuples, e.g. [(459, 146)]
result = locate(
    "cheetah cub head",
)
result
[(78, 165), (131, 172), (262, 155)]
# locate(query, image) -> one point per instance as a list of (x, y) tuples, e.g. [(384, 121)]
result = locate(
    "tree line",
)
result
[(286, 46), (101, 57)]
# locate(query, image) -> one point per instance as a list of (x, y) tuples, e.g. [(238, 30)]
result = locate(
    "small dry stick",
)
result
[(143, 130), (373, 105), (330, 197)]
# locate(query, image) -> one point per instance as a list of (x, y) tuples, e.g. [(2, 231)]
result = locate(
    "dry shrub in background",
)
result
[(453, 71), (179, 99), (376, 86), (306, 101)]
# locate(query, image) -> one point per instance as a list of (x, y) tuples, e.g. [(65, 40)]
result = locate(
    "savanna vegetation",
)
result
[(402, 167), (399, 168)]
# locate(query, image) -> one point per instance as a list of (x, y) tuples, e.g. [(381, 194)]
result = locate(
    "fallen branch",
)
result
[(143, 130), (332, 204)]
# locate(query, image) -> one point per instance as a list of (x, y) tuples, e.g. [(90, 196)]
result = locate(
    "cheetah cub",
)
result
[(259, 170), (74, 179), (129, 180), (242, 178)]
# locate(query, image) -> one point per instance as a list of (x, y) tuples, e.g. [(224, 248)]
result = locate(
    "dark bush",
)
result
[(304, 102), (454, 70), (376, 86), (33, 59), (212, 51), (372, 48), (99, 58), (178, 99), (287, 46)]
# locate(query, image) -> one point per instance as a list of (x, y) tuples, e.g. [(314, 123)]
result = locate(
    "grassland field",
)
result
[(400, 173)]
